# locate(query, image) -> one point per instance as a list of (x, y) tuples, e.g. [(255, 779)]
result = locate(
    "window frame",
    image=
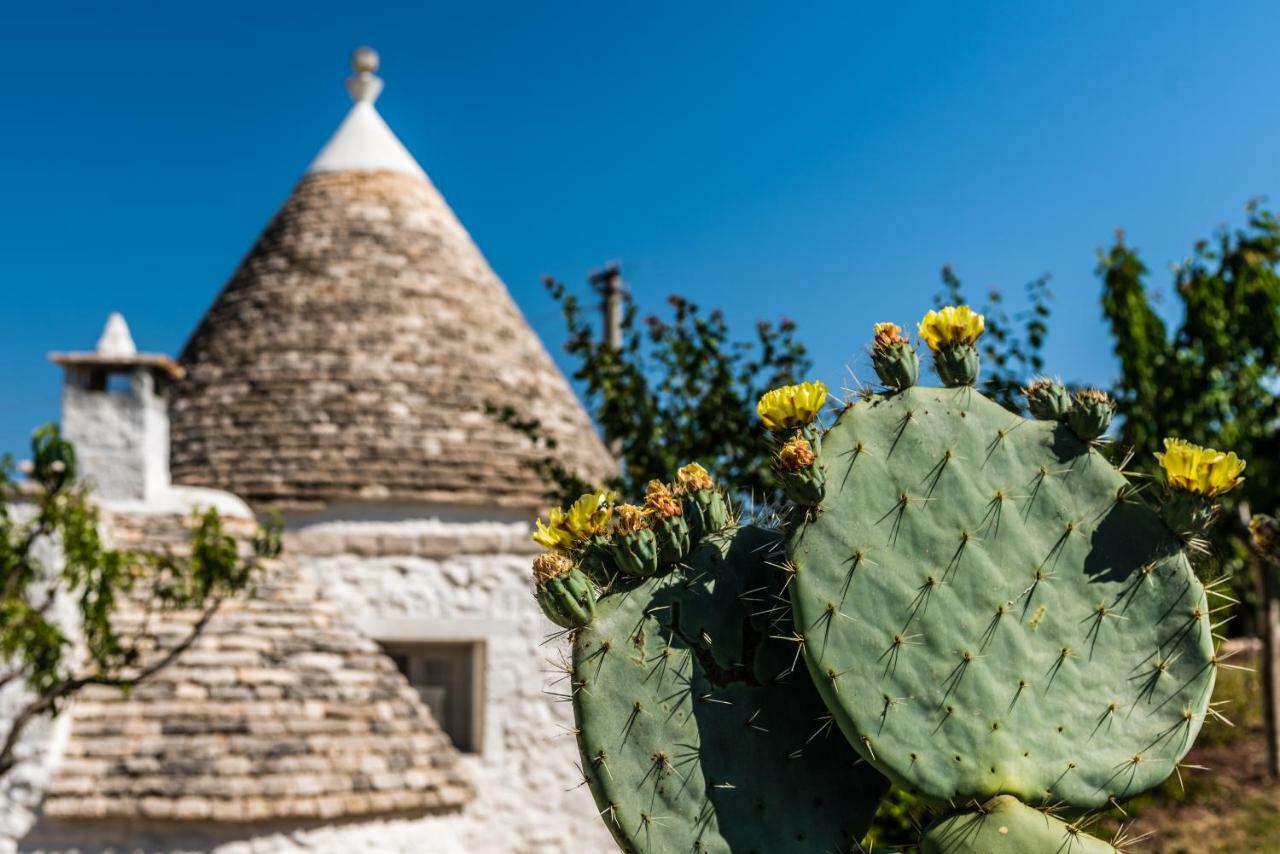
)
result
[(474, 655)]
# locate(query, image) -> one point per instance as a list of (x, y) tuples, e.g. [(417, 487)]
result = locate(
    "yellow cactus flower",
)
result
[(795, 455), (694, 478), (660, 501), (589, 515), (628, 518), (568, 529), (549, 566), (553, 534), (951, 327), (792, 406), (886, 335), (1200, 471)]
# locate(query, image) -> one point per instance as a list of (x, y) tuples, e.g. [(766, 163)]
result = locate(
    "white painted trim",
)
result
[(364, 143), (429, 630)]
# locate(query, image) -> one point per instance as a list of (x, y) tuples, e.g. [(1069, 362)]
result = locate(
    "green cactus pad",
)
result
[(1005, 825), (696, 734), (983, 615)]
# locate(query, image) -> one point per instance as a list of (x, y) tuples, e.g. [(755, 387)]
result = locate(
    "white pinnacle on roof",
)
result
[(116, 341), (364, 142)]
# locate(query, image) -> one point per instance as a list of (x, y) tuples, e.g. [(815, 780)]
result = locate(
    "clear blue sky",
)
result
[(822, 163)]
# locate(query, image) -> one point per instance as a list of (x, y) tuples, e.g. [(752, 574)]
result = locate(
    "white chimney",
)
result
[(115, 413)]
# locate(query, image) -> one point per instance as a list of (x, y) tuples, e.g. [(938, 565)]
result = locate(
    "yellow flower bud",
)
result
[(694, 478), (628, 518), (795, 455), (886, 335), (660, 501)]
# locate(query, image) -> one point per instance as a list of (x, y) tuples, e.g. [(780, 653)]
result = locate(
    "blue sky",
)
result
[(821, 161)]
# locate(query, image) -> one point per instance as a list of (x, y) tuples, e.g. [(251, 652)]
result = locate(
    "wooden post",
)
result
[(1270, 631), (1268, 552), (608, 283)]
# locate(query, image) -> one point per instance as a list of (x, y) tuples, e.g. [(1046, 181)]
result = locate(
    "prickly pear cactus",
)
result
[(988, 609), (1004, 825), (696, 734)]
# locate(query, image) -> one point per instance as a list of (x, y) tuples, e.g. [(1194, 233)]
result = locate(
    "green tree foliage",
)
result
[(678, 389), (38, 648), (1209, 373)]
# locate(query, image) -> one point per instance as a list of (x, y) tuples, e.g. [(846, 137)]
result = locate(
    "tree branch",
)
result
[(67, 687)]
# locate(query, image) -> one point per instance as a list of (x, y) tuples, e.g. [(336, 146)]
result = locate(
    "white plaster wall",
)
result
[(469, 580), (121, 438), (44, 739), (399, 573)]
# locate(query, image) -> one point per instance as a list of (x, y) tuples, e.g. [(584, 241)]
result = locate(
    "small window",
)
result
[(449, 678), (119, 384), (112, 382)]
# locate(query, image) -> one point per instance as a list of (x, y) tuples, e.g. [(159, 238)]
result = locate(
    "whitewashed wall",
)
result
[(44, 739), (414, 573), (400, 574)]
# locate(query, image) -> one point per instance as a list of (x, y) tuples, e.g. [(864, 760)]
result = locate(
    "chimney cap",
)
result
[(116, 349)]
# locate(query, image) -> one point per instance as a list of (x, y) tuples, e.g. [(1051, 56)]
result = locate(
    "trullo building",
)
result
[(384, 688)]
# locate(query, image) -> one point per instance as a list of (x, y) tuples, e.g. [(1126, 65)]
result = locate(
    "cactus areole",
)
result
[(987, 609)]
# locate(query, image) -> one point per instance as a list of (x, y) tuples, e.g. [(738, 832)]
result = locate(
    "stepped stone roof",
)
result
[(355, 352), (279, 710)]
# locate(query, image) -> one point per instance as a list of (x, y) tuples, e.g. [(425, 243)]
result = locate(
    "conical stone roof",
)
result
[(355, 352), (279, 710)]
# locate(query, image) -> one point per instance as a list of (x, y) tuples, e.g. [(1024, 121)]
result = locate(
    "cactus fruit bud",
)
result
[(1048, 399), (1090, 414), (705, 507), (666, 514), (1200, 471), (1264, 531), (563, 592), (894, 359), (792, 406), (951, 333), (634, 547), (800, 473)]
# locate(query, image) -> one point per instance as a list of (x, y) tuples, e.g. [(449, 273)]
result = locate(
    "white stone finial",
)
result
[(364, 59), (365, 85), (116, 341)]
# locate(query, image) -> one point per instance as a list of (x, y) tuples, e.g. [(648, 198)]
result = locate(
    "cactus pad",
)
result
[(988, 609), (695, 737), (1004, 825)]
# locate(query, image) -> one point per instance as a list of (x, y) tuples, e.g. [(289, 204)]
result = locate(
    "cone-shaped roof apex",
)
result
[(364, 142), (116, 341), (363, 346)]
